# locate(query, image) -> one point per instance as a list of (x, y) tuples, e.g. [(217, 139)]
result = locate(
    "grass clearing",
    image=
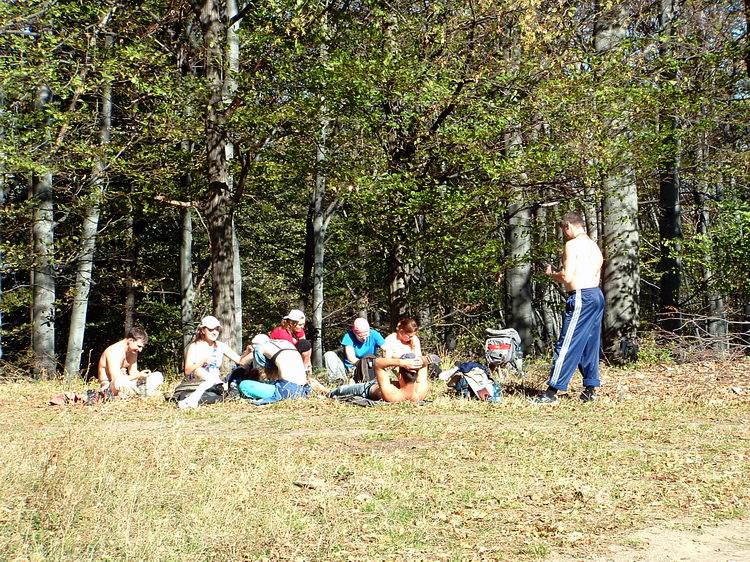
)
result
[(318, 480)]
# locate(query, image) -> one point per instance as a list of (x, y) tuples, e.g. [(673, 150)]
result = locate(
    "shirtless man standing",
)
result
[(118, 367), (580, 338), (410, 387)]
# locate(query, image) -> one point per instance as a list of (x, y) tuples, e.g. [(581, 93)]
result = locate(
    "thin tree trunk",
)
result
[(320, 215), (620, 234), (399, 274), (714, 303), (131, 261), (229, 90), (88, 239), (2, 263), (42, 275), (237, 271), (670, 228), (187, 290)]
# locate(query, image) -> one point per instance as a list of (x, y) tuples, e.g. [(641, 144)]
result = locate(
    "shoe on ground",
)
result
[(588, 395), (544, 399), (187, 404)]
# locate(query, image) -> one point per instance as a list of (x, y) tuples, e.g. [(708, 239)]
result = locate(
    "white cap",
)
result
[(210, 322), (295, 315)]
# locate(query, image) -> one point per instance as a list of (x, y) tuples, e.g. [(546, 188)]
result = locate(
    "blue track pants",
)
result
[(580, 339)]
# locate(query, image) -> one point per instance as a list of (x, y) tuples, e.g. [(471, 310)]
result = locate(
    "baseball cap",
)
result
[(295, 315), (210, 322)]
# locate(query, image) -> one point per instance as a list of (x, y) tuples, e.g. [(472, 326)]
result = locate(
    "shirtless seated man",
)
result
[(411, 385), (281, 360), (118, 368)]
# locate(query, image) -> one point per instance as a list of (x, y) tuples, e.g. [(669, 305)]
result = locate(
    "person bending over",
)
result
[(284, 360), (118, 368), (411, 385)]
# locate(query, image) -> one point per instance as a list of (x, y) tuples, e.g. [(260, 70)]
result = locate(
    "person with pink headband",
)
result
[(359, 342)]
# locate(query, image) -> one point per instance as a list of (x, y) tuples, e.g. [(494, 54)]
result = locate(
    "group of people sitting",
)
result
[(277, 366)]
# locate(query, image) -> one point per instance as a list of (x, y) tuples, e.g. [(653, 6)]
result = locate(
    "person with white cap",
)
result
[(292, 327), (359, 342), (203, 359)]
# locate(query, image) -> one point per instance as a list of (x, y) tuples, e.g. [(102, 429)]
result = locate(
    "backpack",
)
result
[(503, 347), (472, 381)]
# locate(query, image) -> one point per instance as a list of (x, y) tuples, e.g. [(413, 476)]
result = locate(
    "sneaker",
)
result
[(544, 399), (588, 395), (187, 404)]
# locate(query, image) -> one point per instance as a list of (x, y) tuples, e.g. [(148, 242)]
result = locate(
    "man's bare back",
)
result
[(403, 390), (581, 263)]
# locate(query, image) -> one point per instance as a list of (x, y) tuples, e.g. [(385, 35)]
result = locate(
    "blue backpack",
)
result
[(472, 380)]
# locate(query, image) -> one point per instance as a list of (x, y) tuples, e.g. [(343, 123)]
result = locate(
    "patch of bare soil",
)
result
[(726, 542)]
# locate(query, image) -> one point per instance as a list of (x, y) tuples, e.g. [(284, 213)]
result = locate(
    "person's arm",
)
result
[(567, 273), (247, 356), (229, 352), (134, 373), (417, 346), (350, 355)]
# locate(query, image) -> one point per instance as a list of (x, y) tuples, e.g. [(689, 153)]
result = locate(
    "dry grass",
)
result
[(317, 480)]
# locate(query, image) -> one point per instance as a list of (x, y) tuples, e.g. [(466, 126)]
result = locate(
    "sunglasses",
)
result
[(217, 329)]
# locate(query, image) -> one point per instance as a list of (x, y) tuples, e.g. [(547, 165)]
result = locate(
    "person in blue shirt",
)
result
[(359, 342)]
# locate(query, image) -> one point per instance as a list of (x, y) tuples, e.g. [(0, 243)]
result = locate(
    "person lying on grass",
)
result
[(411, 385), (118, 368), (283, 361)]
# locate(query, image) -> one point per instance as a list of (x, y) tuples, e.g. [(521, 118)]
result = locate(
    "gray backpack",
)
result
[(503, 348)]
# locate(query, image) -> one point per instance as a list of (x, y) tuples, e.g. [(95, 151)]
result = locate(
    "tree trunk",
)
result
[(399, 273), (131, 262), (518, 279), (89, 230), (219, 205), (237, 285), (43, 275), (716, 324), (621, 263), (518, 304), (620, 233), (549, 299), (229, 90), (670, 228), (187, 290)]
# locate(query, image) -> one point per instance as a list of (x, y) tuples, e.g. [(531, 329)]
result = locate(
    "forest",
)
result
[(165, 159)]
